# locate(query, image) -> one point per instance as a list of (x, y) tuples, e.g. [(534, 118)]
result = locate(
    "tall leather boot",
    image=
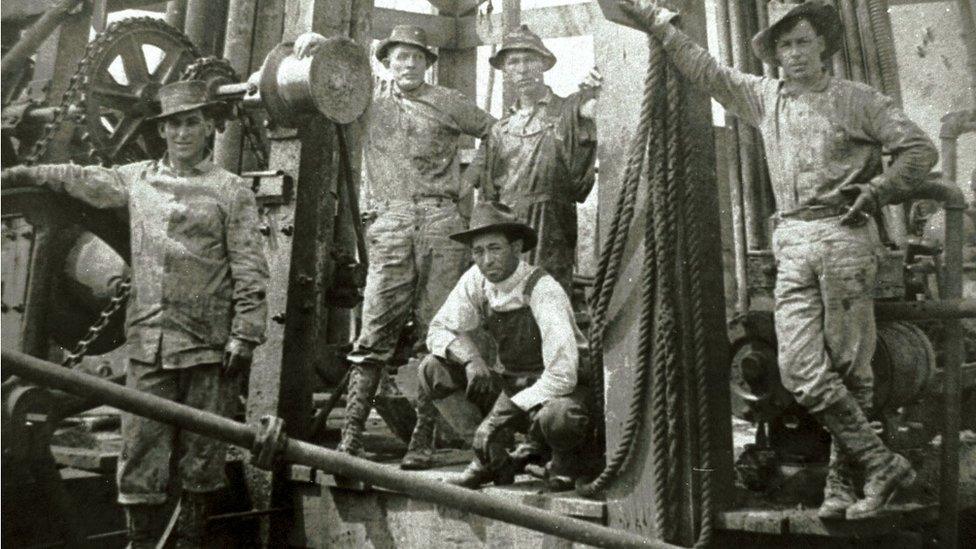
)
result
[(191, 525), (839, 492), (421, 449), (884, 471), (140, 522), (363, 381)]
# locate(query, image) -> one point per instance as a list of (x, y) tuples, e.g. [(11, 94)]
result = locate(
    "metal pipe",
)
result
[(948, 309), (296, 451), (738, 13), (734, 167), (954, 203), (852, 40), (34, 36), (228, 144)]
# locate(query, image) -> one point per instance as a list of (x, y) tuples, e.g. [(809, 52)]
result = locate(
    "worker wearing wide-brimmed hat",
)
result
[(539, 158), (504, 358), (413, 194), (197, 308), (824, 138)]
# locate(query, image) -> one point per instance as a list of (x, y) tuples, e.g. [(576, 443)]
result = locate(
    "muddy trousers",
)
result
[(825, 329), (559, 428), (149, 447)]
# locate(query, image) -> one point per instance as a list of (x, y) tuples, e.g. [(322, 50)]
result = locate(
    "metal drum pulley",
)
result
[(903, 364), (336, 81)]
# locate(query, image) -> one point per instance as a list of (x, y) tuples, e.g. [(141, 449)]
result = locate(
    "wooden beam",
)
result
[(552, 22), (440, 29)]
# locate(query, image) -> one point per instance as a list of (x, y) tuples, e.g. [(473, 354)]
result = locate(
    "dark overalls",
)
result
[(559, 426)]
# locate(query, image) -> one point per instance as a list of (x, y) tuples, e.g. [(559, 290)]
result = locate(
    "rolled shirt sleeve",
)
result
[(458, 314), (560, 356), (248, 267)]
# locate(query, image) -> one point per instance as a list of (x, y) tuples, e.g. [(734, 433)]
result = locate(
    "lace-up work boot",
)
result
[(885, 472), (363, 381), (839, 492), (421, 449), (474, 476)]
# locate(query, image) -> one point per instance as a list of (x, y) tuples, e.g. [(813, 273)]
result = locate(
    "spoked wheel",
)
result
[(127, 65)]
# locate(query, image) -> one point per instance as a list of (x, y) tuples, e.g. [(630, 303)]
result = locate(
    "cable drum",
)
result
[(903, 364)]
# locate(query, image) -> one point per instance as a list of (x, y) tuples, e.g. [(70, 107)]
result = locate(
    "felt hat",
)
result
[(406, 34), (488, 217), (822, 15), (522, 39), (182, 96)]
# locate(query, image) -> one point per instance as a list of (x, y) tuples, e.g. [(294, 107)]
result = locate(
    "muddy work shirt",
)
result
[(199, 274), (539, 160), (819, 141), (470, 306), (412, 143)]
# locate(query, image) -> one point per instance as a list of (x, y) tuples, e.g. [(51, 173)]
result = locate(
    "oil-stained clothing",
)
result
[(539, 160), (199, 278), (819, 142), (531, 325), (148, 446), (412, 187), (199, 274)]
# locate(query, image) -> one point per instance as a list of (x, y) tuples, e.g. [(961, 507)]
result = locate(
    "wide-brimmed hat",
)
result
[(406, 34), (522, 39), (182, 96), (489, 217), (822, 15)]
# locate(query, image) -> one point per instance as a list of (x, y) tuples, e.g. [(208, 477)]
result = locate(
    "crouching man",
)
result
[(532, 383), (197, 308)]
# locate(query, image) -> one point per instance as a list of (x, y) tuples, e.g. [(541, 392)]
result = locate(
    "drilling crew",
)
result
[(197, 305), (824, 137), (412, 192), (539, 158), (524, 375)]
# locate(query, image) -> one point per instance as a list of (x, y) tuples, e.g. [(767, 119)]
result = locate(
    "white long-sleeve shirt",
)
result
[(551, 309)]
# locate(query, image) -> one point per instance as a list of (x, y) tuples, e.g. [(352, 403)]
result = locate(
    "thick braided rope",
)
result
[(694, 259), (613, 254)]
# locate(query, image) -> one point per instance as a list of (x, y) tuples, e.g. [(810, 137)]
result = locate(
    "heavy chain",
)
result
[(118, 300)]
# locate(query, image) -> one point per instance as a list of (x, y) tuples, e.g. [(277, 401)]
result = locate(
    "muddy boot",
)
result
[(475, 475), (191, 526), (839, 492), (884, 471), (363, 381), (140, 522), (421, 449)]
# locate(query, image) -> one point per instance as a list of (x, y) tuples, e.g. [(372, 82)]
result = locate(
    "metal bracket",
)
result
[(269, 442), (271, 187)]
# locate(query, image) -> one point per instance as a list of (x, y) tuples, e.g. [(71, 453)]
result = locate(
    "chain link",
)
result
[(120, 298)]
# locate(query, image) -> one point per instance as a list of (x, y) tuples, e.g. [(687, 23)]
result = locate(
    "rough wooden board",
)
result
[(84, 458), (805, 521), (342, 518)]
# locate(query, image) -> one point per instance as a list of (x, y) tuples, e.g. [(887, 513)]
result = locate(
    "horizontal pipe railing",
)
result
[(295, 451)]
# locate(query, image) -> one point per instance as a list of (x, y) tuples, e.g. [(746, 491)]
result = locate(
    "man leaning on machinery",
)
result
[(197, 307), (824, 137)]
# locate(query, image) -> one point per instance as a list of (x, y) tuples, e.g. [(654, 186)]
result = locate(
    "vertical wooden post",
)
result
[(511, 20), (238, 39), (621, 53)]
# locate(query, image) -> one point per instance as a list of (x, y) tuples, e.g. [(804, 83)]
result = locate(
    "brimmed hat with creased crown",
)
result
[(823, 15), (522, 39), (182, 96), (488, 217), (406, 34)]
